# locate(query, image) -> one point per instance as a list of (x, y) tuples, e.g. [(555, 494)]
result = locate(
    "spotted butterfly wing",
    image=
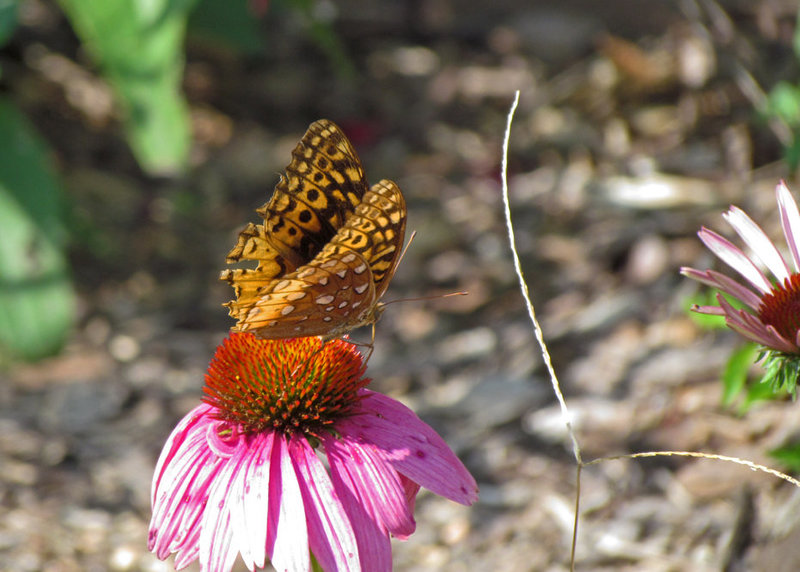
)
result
[(302, 285), (323, 184)]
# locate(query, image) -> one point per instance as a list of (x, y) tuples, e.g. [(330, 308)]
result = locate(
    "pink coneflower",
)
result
[(241, 474), (772, 314)]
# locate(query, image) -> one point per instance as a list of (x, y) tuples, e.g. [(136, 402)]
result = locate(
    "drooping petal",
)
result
[(778, 341), (708, 310), (186, 428), (722, 282), (411, 489), (190, 552), (287, 532), (790, 221), (330, 533), (217, 548), (413, 447), (179, 515), (751, 327), (758, 242), (374, 546), (375, 482), (181, 484), (735, 258), (249, 515)]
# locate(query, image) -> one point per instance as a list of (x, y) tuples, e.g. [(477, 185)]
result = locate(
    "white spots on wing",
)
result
[(323, 281), (342, 304), (329, 308), (329, 263), (356, 304), (341, 274), (327, 319), (360, 268), (288, 309), (324, 299), (281, 285), (362, 288), (348, 258), (295, 296), (306, 273)]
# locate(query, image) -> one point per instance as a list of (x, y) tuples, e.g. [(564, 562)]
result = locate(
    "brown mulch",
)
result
[(635, 127)]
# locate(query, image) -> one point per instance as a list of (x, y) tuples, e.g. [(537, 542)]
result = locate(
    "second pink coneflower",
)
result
[(771, 312)]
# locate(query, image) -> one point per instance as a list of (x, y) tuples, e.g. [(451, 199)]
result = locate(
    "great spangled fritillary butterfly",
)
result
[(327, 249)]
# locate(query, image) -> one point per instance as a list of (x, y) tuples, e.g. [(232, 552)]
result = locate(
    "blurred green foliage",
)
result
[(783, 105), (788, 455), (139, 46), (36, 296), (739, 383)]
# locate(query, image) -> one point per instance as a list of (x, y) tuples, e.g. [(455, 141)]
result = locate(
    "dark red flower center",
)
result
[(781, 307), (294, 386)]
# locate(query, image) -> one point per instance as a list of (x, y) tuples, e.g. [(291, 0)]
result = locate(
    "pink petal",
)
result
[(330, 533), (180, 512), (735, 258), (249, 512), (412, 447), (217, 549), (758, 242), (185, 428), (287, 532), (753, 328), (732, 287), (721, 282), (709, 310), (780, 342), (411, 489), (187, 555), (374, 547), (375, 483), (790, 221), (181, 487)]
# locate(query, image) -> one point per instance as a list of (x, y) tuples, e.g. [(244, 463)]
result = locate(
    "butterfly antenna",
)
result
[(405, 248), (431, 297)]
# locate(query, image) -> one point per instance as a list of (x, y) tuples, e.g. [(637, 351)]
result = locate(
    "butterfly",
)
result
[(328, 247)]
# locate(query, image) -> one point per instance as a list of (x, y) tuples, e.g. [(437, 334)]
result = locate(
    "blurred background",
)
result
[(138, 137)]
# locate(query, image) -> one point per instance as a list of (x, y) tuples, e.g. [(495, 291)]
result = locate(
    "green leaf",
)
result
[(36, 296), (788, 456), (734, 377), (138, 44), (783, 103)]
